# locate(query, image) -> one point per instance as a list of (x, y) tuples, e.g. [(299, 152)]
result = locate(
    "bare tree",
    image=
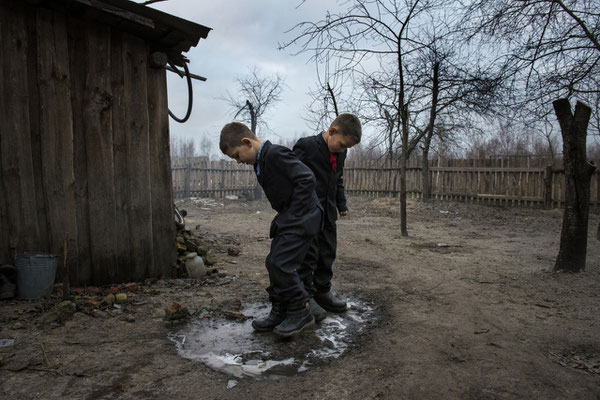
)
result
[(205, 146), (457, 85), (578, 173), (183, 148), (324, 106), (379, 110), (381, 45), (371, 34), (553, 52), (551, 48), (257, 95), (366, 151), (551, 143)]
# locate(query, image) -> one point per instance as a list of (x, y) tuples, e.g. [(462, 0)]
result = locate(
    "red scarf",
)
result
[(333, 161)]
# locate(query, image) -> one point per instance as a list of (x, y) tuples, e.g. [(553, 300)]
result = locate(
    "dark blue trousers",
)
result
[(291, 241), (316, 270)]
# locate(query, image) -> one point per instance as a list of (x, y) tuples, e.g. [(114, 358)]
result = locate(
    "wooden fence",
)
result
[(496, 181), (200, 177)]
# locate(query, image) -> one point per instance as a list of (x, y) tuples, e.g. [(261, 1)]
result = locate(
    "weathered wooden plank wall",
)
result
[(98, 138), (84, 147), (13, 41), (138, 161), (124, 255), (56, 132), (77, 68)]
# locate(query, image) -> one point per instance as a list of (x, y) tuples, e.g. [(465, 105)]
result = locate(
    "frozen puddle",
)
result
[(234, 348)]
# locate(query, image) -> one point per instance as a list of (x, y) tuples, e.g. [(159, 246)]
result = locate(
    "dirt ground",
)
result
[(467, 307)]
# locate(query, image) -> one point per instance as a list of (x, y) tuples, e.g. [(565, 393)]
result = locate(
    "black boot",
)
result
[(297, 317), (317, 311), (328, 301), (275, 317)]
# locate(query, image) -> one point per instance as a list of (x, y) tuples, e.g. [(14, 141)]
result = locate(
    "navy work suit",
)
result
[(316, 270), (290, 188)]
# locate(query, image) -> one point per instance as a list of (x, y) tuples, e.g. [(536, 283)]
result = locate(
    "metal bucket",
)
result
[(35, 274)]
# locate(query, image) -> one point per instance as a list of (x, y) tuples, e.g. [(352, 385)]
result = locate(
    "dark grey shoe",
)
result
[(329, 302), (275, 317), (297, 317), (317, 311)]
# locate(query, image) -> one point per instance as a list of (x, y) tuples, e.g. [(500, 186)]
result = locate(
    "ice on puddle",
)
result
[(231, 383), (233, 347)]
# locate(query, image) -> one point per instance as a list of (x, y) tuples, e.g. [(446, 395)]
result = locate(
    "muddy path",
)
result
[(466, 307)]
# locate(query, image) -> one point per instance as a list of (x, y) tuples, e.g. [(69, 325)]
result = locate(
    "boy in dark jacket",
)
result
[(290, 188), (325, 154)]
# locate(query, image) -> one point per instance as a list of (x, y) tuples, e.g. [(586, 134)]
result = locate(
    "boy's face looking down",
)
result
[(244, 153), (336, 141)]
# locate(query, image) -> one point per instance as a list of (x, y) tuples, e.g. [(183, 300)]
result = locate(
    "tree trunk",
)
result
[(578, 174), (429, 131), (390, 134), (333, 100), (403, 224), (425, 169), (253, 122), (425, 164), (253, 118), (403, 113), (403, 165)]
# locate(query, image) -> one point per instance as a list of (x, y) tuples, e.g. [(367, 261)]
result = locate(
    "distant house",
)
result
[(84, 135)]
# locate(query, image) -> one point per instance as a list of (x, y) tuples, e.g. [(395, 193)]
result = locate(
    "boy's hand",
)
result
[(343, 213)]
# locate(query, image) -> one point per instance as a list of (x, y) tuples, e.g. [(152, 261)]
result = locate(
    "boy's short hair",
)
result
[(232, 134), (349, 125)]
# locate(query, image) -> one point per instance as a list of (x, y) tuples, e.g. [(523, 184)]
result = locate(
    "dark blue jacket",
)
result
[(313, 152), (290, 188)]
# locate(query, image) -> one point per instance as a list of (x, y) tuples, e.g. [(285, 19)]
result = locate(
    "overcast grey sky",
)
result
[(245, 34)]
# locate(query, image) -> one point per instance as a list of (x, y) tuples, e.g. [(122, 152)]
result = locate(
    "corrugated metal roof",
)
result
[(165, 32)]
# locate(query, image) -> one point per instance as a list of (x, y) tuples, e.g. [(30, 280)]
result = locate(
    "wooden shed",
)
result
[(84, 135)]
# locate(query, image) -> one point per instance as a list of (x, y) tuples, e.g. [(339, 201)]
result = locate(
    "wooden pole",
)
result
[(163, 228), (548, 187), (186, 178), (65, 271)]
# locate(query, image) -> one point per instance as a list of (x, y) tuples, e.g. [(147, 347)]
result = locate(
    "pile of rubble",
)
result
[(193, 255), (94, 301), (121, 300)]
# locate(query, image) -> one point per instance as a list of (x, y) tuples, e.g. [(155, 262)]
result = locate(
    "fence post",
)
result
[(598, 196), (186, 179), (548, 187)]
